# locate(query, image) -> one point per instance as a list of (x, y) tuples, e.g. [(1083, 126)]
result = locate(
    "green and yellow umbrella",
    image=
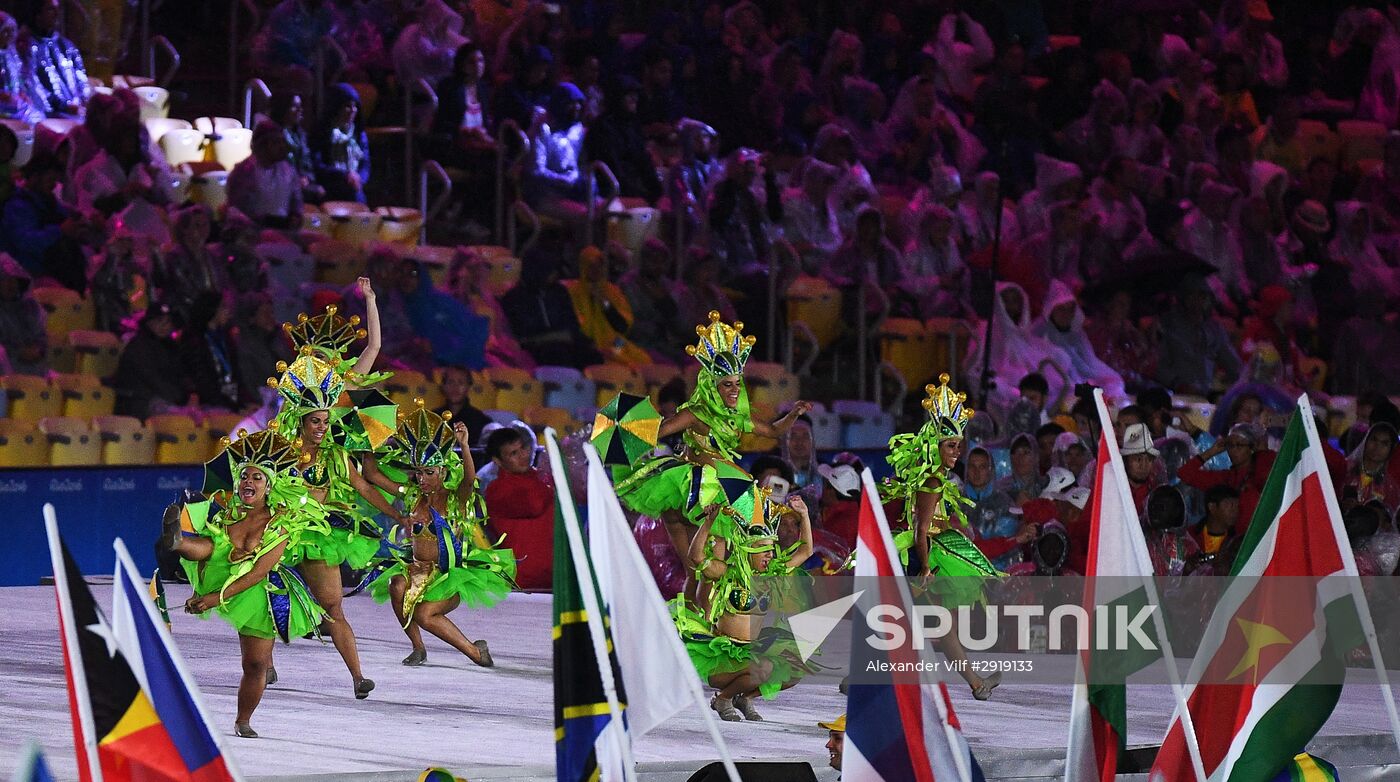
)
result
[(367, 421), (626, 429)]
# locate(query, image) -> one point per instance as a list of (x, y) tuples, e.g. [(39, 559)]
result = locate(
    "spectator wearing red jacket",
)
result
[(1140, 463), (1250, 463), (520, 502)]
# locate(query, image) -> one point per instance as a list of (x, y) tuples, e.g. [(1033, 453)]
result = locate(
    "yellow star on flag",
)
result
[(1258, 637)]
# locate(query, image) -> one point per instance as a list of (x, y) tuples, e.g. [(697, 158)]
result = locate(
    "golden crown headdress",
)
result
[(946, 408), (723, 349), (424, 438), (266, 450), (327, 333), (309, 383)]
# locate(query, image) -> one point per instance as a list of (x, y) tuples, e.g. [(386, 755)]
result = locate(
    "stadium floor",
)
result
[(498, 725)]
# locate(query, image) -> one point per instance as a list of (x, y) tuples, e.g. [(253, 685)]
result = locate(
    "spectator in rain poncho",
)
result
[(457, 335), (934, 271), (977, 214), (1055, 181), (809, 221), (1195, 352), (22, 335), (1062, 324), (741, 223), (1016, 350), (1142, 138), (1367, 476), (960, 47), (854, 188), (1091, 139), (1072, 452), (1380, 98), (425, 48), (604, 314), (863, 105), (1366, 353), (1057, 251), (1208, 232), (927, 133), (866, 258), (1353, 246)]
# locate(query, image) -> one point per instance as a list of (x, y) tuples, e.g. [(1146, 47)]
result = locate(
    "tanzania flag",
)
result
[(1269, 669), (581, 712)]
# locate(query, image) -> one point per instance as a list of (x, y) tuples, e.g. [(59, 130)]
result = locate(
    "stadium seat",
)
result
[(213, 125), (562, 421), (83, 396), (31, 397), (502, 417), (1361, 139), (863, 424), (516, 389), (407, 385), (813, 301), (657, 375), (1318, 140), (24, 134), (907, 346), (65, 310), (950, 337), (178, 440), (22, 444), (612, 379), (60, 357), (233, 146), (157, 127), (337, 262), (566, 388), (826, 429), (218, 426), (770, 384), (182, 146), (72, 442), (483, 394), (125, 440), (95, 352)]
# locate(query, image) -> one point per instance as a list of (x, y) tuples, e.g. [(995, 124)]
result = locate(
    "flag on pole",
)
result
[(900, 727), (1118, 576), (588, 700), (1269, 669), (156, 589), (658, 673), (32, 768), (146, 642), (117, 731)]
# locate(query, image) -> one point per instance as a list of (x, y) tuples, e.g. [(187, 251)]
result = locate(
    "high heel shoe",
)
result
[(484, 659), (170, 532), (244, 730), (745, 706), (726, 710), (363, 687), (983, 691)]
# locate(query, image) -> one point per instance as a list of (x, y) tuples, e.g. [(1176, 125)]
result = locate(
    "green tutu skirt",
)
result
[(341, 543), (717, 655), (959, 569), (669, 483), (482, 581), (280, 606)]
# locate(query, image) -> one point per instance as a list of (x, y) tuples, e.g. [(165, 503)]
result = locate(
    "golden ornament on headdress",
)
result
[(309, 383), (723, 349), (266, 450), (946, 408), (327, 333), (424, 438)]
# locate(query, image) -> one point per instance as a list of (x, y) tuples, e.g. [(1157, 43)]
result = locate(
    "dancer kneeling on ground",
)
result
[(446, 560), (234, 559)]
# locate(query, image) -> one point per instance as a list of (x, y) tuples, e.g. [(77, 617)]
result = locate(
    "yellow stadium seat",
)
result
[(60, 353), (561, 420), (216, 427), (125, 440), (1361, 139), (483, 393), (813, 301), (178, 440), (31, 397), (1318, 140), (613, 379), (907, 345), (516, 389), (770, 385), (22, 444), (950, 339), (407, 385), (657, 375), (65, 310), (83, 396), (96, 352), (72, 442)]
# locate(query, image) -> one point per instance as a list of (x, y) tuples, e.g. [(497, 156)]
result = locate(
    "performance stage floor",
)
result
[(497, 724)]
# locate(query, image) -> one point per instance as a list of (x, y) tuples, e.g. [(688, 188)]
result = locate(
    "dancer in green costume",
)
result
[(312, 405), (940, 551), (445, 560), (726, 640), (678, 489), (234, 558)]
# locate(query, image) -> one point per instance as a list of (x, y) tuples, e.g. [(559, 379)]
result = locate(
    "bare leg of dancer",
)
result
[(324, 581), (398, 586), (433, 618), (257, 657), (954, 651)]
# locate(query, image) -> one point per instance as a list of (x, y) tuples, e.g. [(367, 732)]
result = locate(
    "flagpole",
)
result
[(673, 642), (1139, 545), (77, 674), (1352, 575), (588, 590), (125, 562)]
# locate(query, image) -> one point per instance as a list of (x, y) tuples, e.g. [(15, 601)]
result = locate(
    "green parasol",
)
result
[(369, 420), (626, 429), (218, 474)]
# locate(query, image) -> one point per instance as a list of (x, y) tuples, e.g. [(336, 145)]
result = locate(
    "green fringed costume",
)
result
[(706, 471), (280, 606), (468, 566), (956, 565), (740, 590), (346, 532)]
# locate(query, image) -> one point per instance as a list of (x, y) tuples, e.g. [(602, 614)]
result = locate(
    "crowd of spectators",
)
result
[(1152, 198)]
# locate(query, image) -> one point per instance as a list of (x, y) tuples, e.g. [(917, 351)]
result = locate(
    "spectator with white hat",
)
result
[(840, 500), (1140, 462)]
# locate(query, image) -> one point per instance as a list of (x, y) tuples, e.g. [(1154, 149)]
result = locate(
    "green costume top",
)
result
[(956, 565), (279, 606), (705, 472), (468, 566)]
